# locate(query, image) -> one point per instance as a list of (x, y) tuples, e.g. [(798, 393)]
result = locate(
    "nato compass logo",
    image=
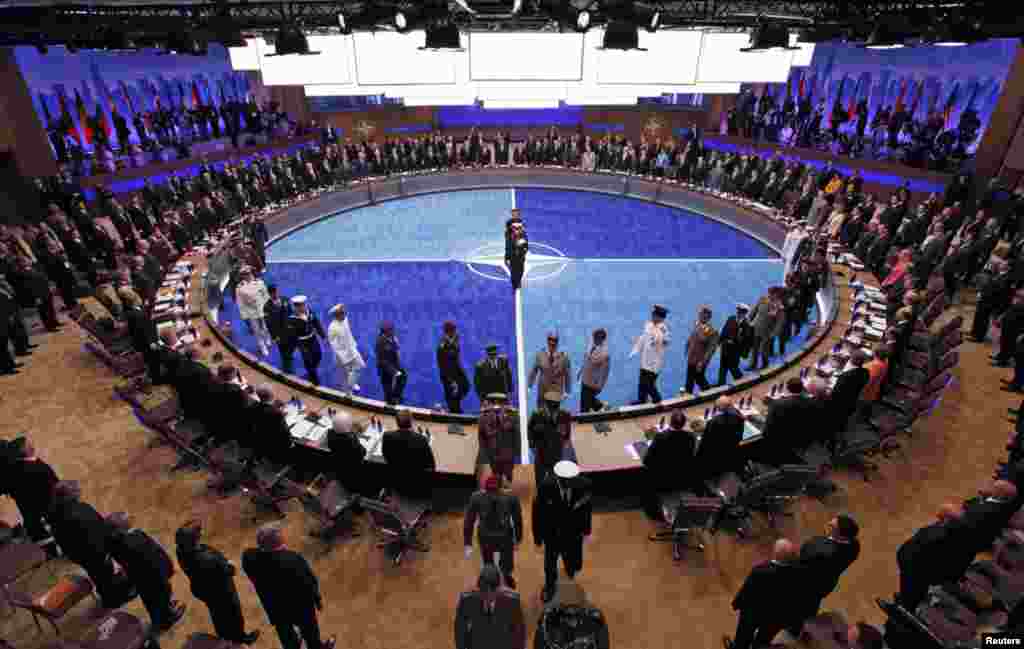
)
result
[(542, 262)]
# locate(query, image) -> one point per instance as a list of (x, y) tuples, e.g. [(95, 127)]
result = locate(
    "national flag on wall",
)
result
[(974, 94), (950, 103), (127, 97), (83, 118), (196, 100), (899, 99), (851, 106), (917, 98), (65, 116), (46, 110), (101, 119)]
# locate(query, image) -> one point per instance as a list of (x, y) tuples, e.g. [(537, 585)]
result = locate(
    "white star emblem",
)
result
[(539, 265)]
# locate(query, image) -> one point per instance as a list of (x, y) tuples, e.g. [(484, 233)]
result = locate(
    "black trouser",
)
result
[(541, 470), (156, 597), (517, 265), (19, 333), (729, 362), (759, 351), (65, 281), (982, 317), (287, 349), (308, 626), (572, 559), (695, 375), (754, 633), (394, 385), (912, 591), (588, 399), (226, 614), (311, 355), (648, 387), (112, 588), (455, 390), (6, 359), (506, 562)]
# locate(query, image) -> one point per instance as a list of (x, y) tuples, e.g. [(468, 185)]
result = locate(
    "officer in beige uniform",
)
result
[(554, 370)]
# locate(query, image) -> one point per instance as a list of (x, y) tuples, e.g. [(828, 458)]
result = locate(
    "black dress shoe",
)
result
[(250, 638), (1012, 388), (9, 372), (24, 352), (32, 345)]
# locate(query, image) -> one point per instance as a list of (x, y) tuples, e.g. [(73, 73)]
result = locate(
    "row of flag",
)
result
[(138, 99)]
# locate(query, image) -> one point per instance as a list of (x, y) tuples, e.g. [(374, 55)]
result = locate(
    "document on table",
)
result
[(638, 450), (371, 441)]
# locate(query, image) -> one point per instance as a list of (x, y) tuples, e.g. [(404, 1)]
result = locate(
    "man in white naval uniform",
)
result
[(651, 347), (346, 355), (252, 294)]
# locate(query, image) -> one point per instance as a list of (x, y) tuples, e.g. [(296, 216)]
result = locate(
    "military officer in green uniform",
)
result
[(549, 430)]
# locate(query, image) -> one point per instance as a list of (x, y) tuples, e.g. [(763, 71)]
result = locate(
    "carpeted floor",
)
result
[(63, 400)]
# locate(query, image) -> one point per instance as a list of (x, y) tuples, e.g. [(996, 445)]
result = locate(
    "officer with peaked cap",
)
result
[(550, 430), (561, 519), (651, 345), (498, 429), (492, 374)]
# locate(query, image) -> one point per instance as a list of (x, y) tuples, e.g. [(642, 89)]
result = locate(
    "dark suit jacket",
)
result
[(141, 557), (560, 521), (774, 592), (210, 574), (30, 484), (791, 423), (270, 434), (275, 314), (284, 582), (82, 534), (410, 462), (827, 560), (669, 460), (937, 553), (718, 452), (488, 379), (986, 518), (347, 456), (846, 393)]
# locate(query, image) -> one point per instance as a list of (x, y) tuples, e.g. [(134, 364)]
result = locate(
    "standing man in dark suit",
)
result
[(276, 312), (668, 462), (561, 520), (148, 567), (731, 346), (410, 459), (30, 483), (492, 374), (846, 393), (594, 374), (490, 617), (762, 608), (212, 578), (287, 588), (718, 450), (550, 433), (449, 363), (787, 416), (389, 364), (827, 557), (935, 554), (84, 538), (306, 332)]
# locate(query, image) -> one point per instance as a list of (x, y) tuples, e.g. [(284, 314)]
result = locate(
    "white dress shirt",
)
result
[(339, 335), (651, 346)]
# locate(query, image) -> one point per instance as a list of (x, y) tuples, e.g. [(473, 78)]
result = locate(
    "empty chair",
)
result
[(398, 529), (686, 515), (55, 603), (769, 493), (334, 509)]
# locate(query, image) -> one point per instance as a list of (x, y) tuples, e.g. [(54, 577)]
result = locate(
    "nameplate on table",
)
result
[(638, 450)]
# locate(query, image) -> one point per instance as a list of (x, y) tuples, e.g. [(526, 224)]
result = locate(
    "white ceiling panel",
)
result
[(722, 61), (245, 58), (331, 66), (390, 58), (525, 56), (670, 58)]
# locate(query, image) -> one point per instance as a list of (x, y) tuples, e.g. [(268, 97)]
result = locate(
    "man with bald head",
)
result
[(935, 554), (718, 451), (148, 567), (347, 452), (772, 598), (287, 588)]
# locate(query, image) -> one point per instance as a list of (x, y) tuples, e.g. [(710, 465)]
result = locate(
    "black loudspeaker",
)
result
[(19, 199)]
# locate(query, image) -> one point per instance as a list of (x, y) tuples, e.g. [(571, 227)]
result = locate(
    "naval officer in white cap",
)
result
[(303, 328), (346, 354)]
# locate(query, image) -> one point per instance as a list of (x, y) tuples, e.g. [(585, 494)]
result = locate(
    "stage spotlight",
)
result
[(291, 40), (887, 35), (582, 22), (767, 37), (955, 34), (401, 22), (443, 37), (343, 25)]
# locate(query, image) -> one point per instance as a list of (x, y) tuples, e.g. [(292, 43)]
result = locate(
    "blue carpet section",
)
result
[(433, 226), (582, 224), (618, 296), (417, 297), (403, 269)]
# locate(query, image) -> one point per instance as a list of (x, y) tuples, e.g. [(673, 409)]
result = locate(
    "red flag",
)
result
[(83, 118), (101, 119), (196, 101), (950, 104), (899, 99), (851, 106), (803, 87)]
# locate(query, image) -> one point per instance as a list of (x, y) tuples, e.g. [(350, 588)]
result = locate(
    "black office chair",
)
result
[(685, 515), (903, 630), (398, 525), (769, 493), (334, 506)]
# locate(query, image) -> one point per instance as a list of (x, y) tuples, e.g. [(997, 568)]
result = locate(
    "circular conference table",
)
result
[(601, 440)]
